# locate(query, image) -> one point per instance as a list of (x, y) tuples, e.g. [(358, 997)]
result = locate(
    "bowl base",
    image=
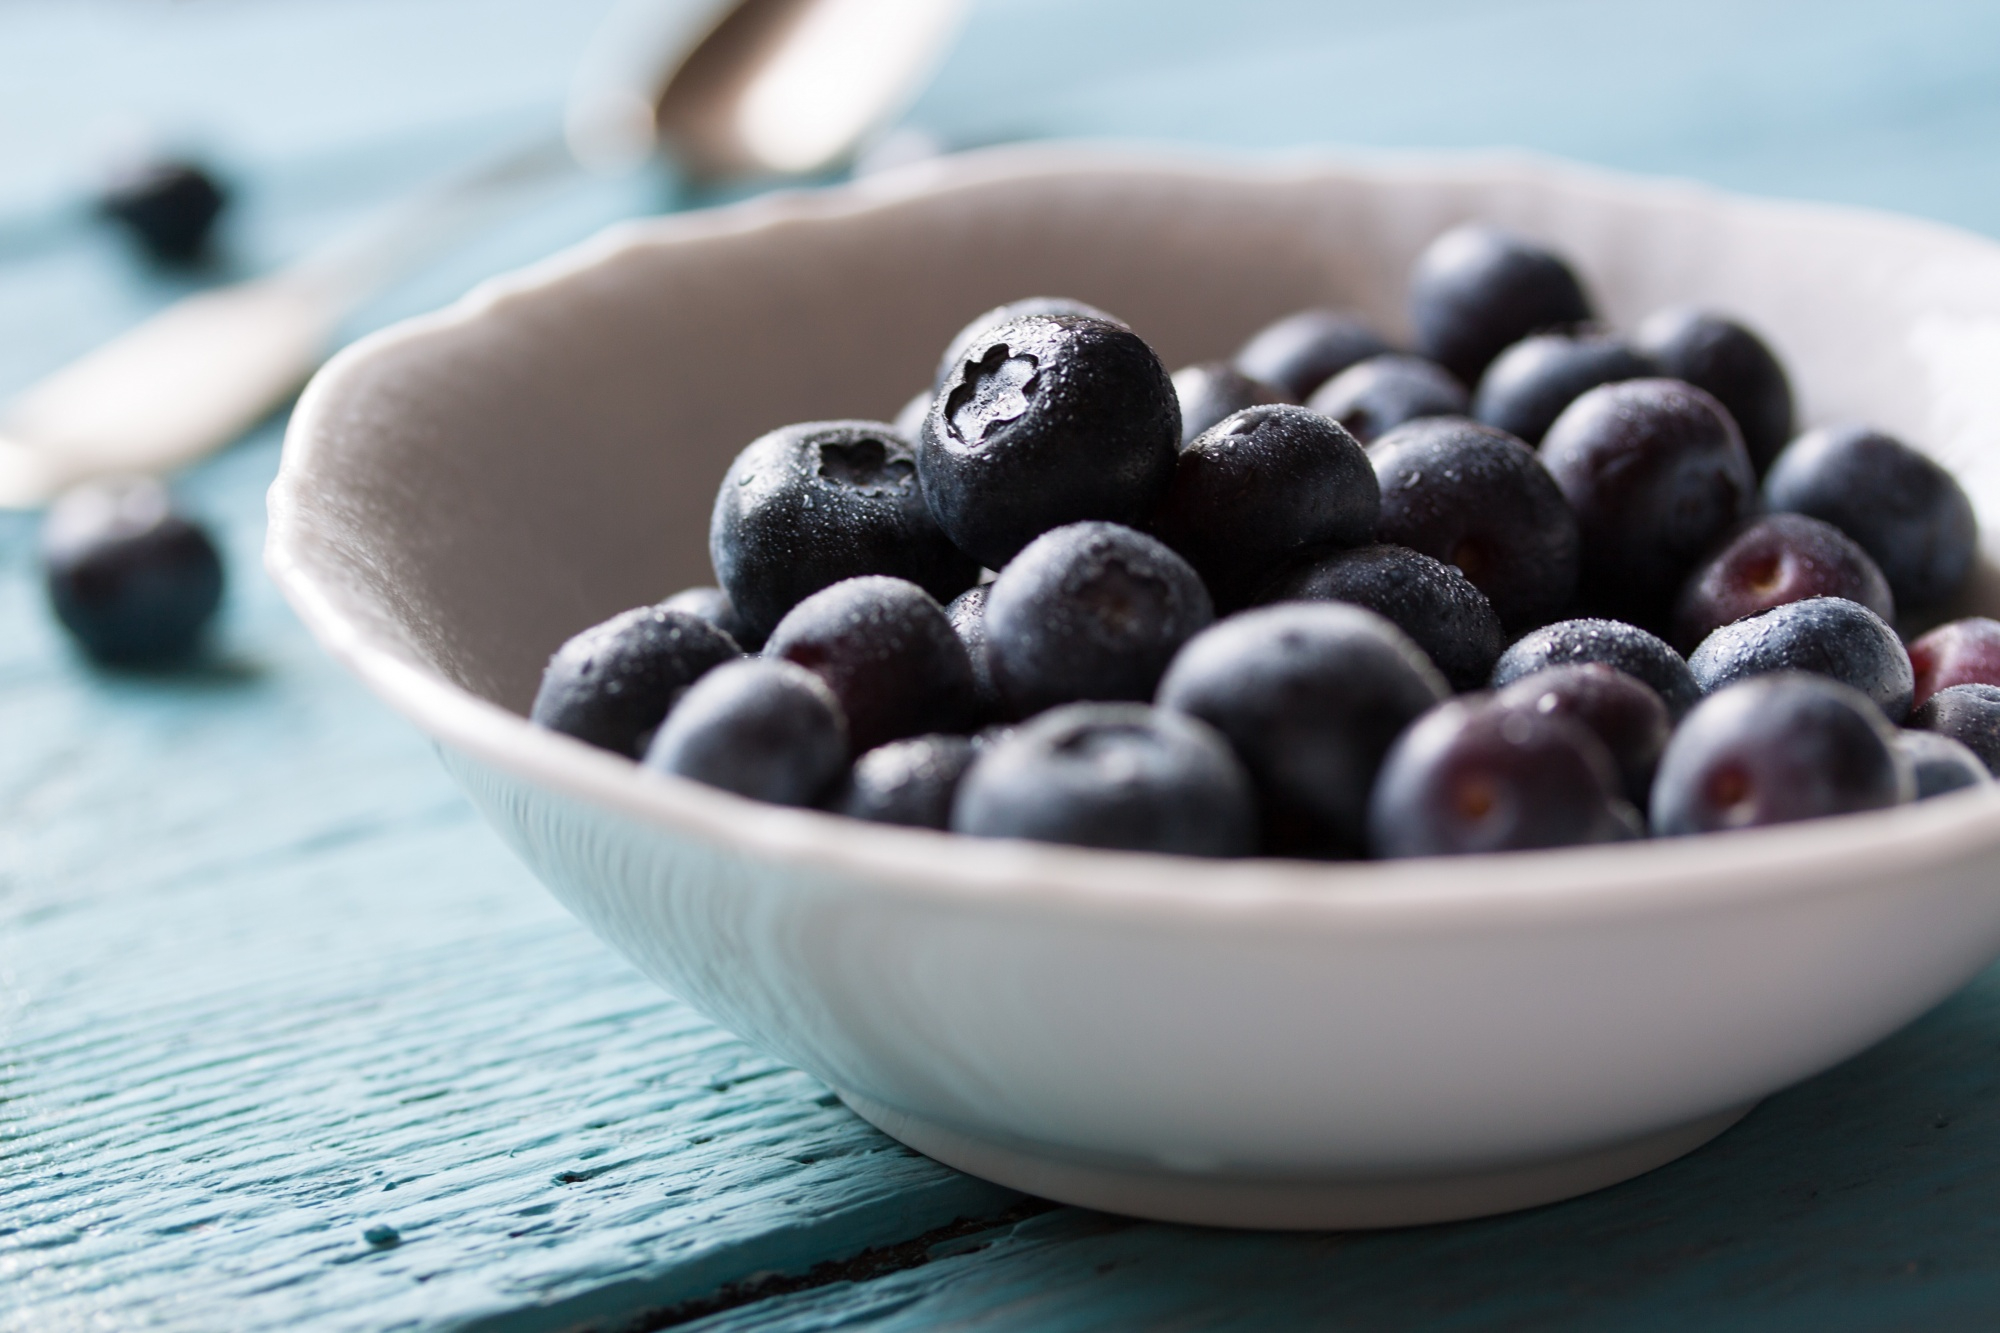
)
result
[(1167, 1195)]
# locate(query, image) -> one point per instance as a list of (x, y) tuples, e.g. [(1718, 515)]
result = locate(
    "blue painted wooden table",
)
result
[(288, 1041)]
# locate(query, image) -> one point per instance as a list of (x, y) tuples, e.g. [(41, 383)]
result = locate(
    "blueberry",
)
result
[(1474, 776), (1939, 764), (714, 606), (1263, 485), (1970, 715), (1958, 652), (1120, 776), (909, 782), (1623, 711), (1090, 611), (1827, 636), (1477, 289), (1629, 649), (170, 207), (1302, 351), (1776, 749), (1904, 509), (989, 320), (1213, 390), (612, 684), (1375, 396), (1430, 601), (757, 727), (1732, 363), (1473, 497), (134, 581), (1656, 474), (1776, 559), (1045, 421), (967, 614), (1310, 695), (1613, 643), (909, 422), (1528, 385), (889, 654), (809, 505)]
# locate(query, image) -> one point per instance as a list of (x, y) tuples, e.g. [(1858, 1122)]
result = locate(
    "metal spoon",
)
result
[(754, 88)]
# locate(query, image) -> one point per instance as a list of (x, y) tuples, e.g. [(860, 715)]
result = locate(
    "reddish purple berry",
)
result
[(1776, 749), (1476, 776), (1620, 710), (1776, 559), (1958, 652)]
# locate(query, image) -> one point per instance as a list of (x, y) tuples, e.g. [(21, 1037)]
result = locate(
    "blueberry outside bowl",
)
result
[(1255, 1043)]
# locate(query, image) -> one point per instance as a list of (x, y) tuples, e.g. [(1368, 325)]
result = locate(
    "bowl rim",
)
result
[(1669, 876)]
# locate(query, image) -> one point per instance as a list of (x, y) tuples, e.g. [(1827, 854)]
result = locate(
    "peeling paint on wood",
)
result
[(290, 1040), (1868, 1198)]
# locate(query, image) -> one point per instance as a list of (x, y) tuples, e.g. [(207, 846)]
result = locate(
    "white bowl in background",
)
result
[(1257, 1043)]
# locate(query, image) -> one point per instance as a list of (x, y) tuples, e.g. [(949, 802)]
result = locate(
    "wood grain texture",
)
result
[(266, 988), (270, 988), (1864, 1199)]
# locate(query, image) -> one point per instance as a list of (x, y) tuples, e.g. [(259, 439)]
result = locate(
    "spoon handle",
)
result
[(202, 371)]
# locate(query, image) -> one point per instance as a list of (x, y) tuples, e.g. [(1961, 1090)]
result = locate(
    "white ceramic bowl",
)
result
[(1259, 1043)]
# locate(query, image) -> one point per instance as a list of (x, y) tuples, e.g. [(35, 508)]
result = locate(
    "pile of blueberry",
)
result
[(1330, 599)]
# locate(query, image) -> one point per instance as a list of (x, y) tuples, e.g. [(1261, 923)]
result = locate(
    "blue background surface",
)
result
[(267, 987)]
